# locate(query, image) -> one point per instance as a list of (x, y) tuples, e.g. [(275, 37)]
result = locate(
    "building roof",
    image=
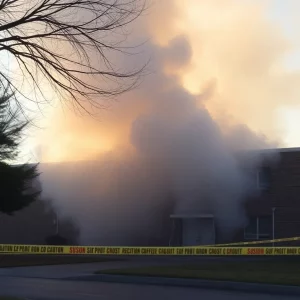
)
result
[(272, 150), (192, 216), (292, 149)]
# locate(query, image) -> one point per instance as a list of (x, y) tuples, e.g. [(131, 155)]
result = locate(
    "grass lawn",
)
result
[(36, 260), (285, 272)]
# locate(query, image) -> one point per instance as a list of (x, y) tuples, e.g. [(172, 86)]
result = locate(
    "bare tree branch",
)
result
[(71, 45)]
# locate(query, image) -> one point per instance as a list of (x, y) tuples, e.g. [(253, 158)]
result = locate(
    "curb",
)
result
[(193, 283)]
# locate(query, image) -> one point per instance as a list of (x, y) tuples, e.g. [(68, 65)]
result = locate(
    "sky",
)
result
[(282, 125), (285, 14)]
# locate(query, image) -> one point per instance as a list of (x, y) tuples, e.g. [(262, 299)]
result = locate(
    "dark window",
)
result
[(264, 178), (251, 228), (258, 228), (265, 225)]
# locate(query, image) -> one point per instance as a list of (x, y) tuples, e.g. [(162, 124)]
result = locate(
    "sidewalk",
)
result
[(69, 270), (195, 283)]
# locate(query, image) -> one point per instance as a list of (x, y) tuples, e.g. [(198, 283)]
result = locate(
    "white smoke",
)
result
[(179, 162), (169, 155)]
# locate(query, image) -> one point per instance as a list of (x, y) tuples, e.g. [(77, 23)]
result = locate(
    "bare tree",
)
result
[(68, 44)]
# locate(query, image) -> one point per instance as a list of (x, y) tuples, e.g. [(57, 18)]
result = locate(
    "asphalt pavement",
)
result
[(48, 282), (73, 270), (50, 289)]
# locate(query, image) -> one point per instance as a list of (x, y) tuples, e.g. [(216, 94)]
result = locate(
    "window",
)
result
[(264, 178), (250, 231), (258, 228)]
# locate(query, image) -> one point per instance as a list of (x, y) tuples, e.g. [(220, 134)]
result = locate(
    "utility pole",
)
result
[(273, 223), (56, 223)]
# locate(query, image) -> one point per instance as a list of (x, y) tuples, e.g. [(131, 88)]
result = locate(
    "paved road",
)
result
[(72, 270), (63, 271), (49, 289), (45, 282)]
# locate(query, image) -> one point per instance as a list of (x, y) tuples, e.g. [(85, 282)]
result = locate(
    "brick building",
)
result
[(274, 212)]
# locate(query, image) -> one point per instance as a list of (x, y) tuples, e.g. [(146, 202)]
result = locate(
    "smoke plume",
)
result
[(170, 146)]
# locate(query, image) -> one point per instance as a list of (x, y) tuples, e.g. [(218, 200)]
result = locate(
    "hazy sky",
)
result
[(285, 13), (281, 14), (225, 75)]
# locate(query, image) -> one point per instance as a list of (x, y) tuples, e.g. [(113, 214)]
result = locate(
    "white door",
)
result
[(198, 232)]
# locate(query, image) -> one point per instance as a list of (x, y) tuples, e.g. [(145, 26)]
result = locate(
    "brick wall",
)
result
[(283, 194)]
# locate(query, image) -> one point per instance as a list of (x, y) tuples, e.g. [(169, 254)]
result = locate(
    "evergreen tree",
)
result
[(17, 188)]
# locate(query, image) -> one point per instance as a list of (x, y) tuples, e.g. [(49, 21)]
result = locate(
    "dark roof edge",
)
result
[(278, 150)]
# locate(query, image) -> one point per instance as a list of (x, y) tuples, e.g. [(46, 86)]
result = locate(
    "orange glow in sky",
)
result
[(238, 63)]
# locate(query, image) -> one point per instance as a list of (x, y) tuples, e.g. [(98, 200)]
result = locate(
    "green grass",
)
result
[(37, 260), (272, 272)]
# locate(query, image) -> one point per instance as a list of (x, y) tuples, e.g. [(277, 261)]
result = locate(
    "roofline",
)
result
[(272, 150), (291, 149), (192, 216), (268, 150)]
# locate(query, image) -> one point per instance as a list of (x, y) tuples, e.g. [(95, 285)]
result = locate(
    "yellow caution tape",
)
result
[(99, 250), (297, 238)]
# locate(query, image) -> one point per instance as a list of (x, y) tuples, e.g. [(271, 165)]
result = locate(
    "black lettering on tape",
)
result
[(126, 251), (100, 250), (149, 251), (269, 251), (201, 251), (112, 250), (166, 251), (136, 251), (189, 251), (54, 249), (130, 251), (234, 251), (90, 250), (24, 249), (279, 251), (215, 251), (35, 249), (291, 251), (179, 251), (6, 248)]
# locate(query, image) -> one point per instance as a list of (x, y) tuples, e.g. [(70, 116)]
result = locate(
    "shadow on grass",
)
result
[(285, 272)]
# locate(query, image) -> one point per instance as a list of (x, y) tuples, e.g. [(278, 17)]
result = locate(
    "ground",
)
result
[(49, 289), (18, 260), (54, 282), (9, 298), (277, 271)]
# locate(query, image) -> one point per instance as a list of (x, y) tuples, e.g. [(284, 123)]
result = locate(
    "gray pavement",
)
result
[(74, 270), (47, 282), (63, 271), (49, 289)]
